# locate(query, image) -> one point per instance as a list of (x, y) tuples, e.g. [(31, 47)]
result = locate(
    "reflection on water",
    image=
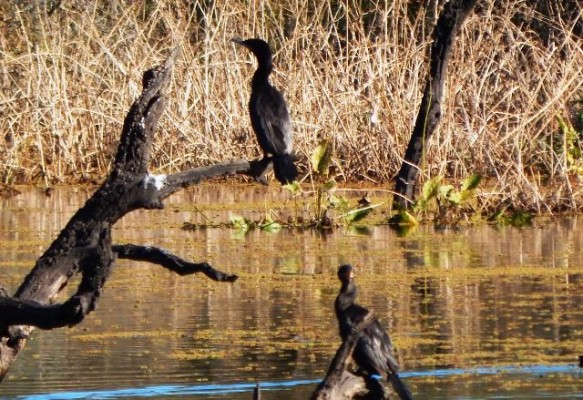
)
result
[(454, 301)]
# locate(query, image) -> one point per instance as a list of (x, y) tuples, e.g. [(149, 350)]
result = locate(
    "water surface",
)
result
[(481, 312)]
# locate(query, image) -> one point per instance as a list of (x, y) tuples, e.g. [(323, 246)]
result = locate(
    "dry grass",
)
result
[(69, 76)]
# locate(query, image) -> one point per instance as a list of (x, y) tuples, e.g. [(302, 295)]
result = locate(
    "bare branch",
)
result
[(255, 169), (170, 261), (21, 312), (133, 153)]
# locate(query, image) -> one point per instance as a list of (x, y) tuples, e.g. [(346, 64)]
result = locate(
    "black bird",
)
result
[(269, 115), (374, 351)]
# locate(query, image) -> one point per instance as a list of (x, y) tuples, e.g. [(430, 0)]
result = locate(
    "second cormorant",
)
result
[(269, 114), (374, 351)]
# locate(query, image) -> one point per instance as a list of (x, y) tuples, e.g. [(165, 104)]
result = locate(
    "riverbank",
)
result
[(513, 110)]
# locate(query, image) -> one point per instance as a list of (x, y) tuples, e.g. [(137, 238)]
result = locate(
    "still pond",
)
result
[(477, 313)]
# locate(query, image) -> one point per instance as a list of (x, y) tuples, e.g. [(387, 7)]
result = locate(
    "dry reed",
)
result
[(350, 71)]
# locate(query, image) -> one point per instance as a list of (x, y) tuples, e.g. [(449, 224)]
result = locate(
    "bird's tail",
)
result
[(284, 168), (400, 387)]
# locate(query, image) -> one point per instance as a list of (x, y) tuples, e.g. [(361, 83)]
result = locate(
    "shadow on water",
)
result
[(466, 309)]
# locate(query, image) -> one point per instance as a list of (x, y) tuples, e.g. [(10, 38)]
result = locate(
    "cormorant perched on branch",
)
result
[(269, 115), (373, 353)]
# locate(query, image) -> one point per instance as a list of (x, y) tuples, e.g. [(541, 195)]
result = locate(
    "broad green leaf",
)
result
[(404, 218), (410, 219), (294, 187), (445, 191), (455, 197), (358, 214), (340, 202), (431, 188), (271, 227), (240, 223), (322, 157), (471, 182)]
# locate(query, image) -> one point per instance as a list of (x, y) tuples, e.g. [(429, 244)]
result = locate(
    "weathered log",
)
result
[(341, 384), (448, 25), (84, 245)]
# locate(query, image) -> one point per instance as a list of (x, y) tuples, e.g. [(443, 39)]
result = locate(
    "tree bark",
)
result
[(448, 26), (84, 245)]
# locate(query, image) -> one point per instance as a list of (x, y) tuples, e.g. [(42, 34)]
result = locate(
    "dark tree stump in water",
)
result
[(84, 245), (341, 384), (448, 25)]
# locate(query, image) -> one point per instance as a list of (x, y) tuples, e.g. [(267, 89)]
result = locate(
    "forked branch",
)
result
[(84, 245)]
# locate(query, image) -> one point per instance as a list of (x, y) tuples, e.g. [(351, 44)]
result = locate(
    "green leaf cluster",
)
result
[(569, 144), (326, 197), (444, 201)]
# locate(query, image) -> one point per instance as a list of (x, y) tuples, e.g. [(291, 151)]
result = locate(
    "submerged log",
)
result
[(448, 25), (84, 245)]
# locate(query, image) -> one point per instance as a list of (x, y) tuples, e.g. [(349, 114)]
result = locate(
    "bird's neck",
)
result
[(347, 296), (261, 75)]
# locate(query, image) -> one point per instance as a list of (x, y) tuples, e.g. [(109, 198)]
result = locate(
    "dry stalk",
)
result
[(351, 74)]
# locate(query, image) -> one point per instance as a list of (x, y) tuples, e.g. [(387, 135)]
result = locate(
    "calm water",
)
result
[(476, 313)]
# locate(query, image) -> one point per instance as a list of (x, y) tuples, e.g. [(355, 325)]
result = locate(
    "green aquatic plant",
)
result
[(327, 200), (446, 204), (356, 214), (450, 197), (321, 208), (321, 158), (569, 145), (241, 223), (517, 219), (269, 224)]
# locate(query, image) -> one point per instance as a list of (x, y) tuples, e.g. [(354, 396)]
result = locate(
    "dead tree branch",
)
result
[(341, 384), (84, 245), (448, 25), (170, 261), (45, 317)]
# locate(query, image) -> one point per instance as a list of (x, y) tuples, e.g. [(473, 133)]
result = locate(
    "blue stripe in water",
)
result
[(217, 389), (527, 370), (169, 390)]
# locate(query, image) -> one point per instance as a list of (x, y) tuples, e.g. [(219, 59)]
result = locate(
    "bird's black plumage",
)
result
[(269, 114), (374, 351)]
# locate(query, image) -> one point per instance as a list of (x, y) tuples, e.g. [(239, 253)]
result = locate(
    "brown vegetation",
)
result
[(350, 72)]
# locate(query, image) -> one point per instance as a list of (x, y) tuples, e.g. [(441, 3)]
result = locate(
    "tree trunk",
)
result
[(84, 245), (448, 25)]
